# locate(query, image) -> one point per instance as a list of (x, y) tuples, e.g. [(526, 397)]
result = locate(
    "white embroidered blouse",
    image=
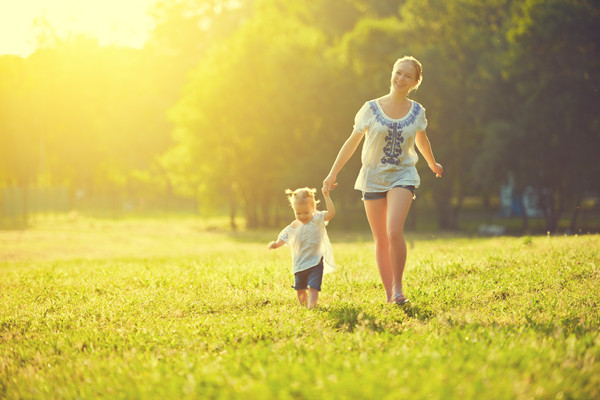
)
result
[(388, 153), (309, 242)]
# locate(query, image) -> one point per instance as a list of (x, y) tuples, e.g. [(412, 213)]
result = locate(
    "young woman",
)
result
[(311, 250), (391, 125)]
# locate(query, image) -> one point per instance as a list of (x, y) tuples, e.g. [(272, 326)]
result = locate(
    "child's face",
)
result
[(304, 212)]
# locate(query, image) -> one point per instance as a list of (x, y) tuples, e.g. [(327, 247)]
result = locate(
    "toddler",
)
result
[(312, 254)]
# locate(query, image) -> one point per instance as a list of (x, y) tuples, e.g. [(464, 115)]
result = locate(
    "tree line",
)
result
[(230, 103)]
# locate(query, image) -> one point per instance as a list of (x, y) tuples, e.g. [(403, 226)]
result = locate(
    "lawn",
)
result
[(168, 309)]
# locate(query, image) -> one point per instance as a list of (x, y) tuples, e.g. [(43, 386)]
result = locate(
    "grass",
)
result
[(169, 309)]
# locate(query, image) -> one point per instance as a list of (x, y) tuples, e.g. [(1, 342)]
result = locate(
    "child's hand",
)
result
[(325, 191), (272, 245)]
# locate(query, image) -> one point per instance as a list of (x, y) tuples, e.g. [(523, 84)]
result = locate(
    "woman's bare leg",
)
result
[(376, 211), (398, 202)]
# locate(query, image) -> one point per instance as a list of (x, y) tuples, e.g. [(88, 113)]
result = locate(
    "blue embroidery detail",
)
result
[(393, 148)]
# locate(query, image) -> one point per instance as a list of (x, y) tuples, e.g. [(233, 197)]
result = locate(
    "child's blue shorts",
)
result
[(311, 277)]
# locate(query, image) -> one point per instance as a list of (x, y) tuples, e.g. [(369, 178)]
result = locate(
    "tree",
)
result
[(554, 65), (19, 153), (457, 43), (250, 113)]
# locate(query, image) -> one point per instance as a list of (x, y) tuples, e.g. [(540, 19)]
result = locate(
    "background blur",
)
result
[(221, 105)]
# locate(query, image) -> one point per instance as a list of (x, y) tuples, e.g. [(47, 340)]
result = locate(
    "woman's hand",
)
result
[(329, 183), (437, 169)]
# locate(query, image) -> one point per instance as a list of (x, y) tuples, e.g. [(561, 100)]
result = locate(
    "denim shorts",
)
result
[(311, 277), (381, 195)]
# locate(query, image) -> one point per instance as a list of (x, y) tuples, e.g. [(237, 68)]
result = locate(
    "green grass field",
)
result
[(169, 309)]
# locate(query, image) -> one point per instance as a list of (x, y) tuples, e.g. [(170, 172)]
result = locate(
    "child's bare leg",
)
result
[(302, 296), (313, 297)]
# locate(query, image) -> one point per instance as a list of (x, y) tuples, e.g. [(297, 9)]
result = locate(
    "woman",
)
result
[(391, 125)]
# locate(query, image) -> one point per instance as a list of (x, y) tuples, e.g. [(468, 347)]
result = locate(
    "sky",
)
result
[(118, 22)]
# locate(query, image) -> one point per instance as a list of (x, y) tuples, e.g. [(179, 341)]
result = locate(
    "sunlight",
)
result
[(112, 22)]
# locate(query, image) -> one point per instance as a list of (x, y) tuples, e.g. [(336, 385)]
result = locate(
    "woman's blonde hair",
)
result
[(416, 64), (302, 195)]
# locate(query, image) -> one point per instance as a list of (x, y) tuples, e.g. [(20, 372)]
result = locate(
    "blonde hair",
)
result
[(416, 64), (302, 195)]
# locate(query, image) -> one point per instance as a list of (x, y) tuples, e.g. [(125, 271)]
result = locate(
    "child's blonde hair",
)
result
[(302, 195)]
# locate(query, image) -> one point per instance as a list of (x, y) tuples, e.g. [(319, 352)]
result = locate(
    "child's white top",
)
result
[(388, 153), (309, 242)]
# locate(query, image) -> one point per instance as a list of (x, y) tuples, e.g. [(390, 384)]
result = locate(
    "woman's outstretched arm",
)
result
[(347, 150)]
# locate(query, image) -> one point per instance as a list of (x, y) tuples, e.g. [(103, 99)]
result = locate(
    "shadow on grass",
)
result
[(349, 317), (566, 326), (417, 312)]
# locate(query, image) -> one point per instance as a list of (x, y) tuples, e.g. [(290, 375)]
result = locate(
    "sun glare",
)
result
[(112, 22)]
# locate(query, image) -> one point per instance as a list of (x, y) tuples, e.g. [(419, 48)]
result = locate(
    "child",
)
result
[(307, 237)]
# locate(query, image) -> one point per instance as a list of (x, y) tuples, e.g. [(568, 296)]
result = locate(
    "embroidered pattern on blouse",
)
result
[(393, 148)]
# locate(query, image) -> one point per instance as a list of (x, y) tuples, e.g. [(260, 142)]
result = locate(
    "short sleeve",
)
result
[(361, 120), (422, 120), (319, 217), (285, 234)]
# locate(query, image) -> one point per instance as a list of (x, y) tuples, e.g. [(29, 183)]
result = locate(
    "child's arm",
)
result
[(424, 147), (277, 244), (330, 212)]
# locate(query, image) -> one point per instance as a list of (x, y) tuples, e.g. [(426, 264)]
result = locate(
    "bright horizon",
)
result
[(112, 22)]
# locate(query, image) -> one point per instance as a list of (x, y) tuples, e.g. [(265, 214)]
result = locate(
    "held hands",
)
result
[(329, 184), (437, 169)]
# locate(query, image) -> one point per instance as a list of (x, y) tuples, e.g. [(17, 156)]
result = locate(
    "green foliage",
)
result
[(250, 131), (553, 65), (148, 309), (459, 44), (232, 102)]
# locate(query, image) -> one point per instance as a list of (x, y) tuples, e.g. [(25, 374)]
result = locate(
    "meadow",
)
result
[(169, 309)]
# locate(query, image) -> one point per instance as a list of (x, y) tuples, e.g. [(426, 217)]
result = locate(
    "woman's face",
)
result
[(404, 77)]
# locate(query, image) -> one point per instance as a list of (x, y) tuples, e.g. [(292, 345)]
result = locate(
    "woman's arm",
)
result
[(424, 147), (347, 150)]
